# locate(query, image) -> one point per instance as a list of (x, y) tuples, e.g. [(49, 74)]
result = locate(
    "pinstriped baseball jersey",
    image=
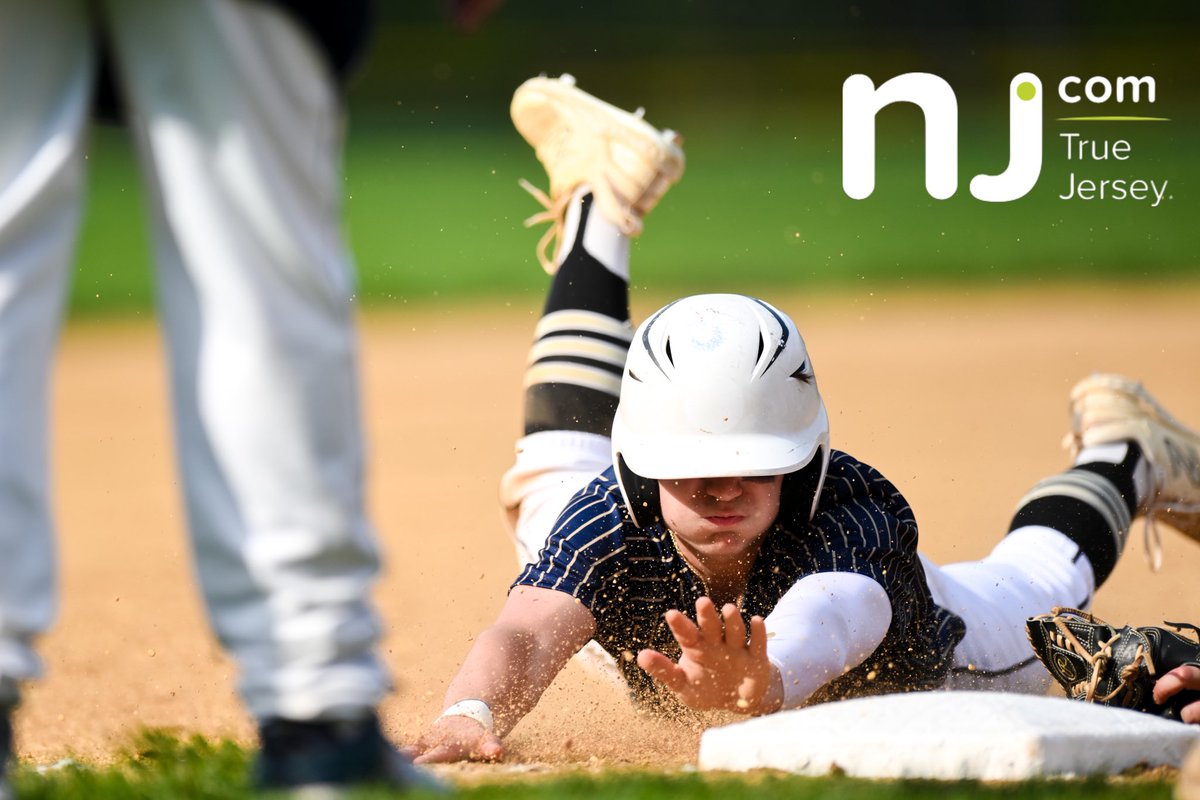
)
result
[(629, 577)]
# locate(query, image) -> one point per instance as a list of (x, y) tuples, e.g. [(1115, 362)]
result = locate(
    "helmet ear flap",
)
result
[(641, 495), (801, 489)]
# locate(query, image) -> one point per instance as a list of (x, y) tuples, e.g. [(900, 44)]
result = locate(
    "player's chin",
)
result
[(725, 539), (704, 536)]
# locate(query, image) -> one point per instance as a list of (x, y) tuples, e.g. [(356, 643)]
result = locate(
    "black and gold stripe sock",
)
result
[(1092, 503), (573, 374)]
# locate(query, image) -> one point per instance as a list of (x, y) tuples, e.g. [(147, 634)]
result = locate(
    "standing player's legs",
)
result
[(46, 73), (1063, 543), (239, 127)]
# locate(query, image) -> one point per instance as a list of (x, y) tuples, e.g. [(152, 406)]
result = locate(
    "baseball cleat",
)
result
[(324, 759), (581, 140), (1108, 408)]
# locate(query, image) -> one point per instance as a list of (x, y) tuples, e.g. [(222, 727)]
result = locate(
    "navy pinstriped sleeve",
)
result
[(583, 554)]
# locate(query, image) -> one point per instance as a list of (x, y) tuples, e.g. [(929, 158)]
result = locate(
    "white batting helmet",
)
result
[(719, 385)]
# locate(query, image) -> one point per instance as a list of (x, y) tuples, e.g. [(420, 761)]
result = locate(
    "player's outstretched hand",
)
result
[(455, 739), (720, 667), (1175, 681)]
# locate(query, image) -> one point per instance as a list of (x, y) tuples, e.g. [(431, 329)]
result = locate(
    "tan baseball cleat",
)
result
[(628, 163), (1108, 408)]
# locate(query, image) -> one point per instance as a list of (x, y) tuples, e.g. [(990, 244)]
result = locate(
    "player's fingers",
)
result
[(758, 638), (682, 628), (735, 626), (1190, 675), (1191, 713), (454, 739), (654, 662), (441, 754), (1166, 686), (709, 621), (1176, 680), (753, 687), (487, 748), (663, 670), (491, 749), (418, 748)]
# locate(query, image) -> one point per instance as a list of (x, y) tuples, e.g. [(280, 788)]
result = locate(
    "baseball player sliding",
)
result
[(679, 503)]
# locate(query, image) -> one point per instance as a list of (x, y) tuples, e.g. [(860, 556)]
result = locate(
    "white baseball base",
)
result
[(950, 736)]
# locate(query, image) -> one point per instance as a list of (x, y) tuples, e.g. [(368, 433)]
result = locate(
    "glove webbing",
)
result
[(1103, 655)]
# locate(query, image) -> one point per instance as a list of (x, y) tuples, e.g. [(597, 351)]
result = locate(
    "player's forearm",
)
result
[(509, 670)]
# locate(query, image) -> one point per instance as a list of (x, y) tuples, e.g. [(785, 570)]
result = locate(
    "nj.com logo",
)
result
[(862, 101)]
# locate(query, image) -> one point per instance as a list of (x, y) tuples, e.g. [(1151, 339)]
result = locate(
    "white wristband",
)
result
[(472, 708)]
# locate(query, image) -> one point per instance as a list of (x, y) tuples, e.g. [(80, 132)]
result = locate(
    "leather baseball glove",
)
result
[(1097, 663)]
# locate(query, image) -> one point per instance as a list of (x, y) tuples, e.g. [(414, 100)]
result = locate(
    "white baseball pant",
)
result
[(238, 126)]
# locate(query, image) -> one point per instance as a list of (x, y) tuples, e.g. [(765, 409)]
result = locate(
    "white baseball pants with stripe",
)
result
[(238, 126)]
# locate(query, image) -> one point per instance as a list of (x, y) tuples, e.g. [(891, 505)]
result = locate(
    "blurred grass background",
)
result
[(432, 161)]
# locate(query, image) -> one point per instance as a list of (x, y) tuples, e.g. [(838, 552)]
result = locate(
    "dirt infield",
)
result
[(958, 396)]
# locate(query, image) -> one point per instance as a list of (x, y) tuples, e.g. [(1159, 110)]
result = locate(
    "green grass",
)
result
[(162, 765), (157, 764), (434, 212)]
